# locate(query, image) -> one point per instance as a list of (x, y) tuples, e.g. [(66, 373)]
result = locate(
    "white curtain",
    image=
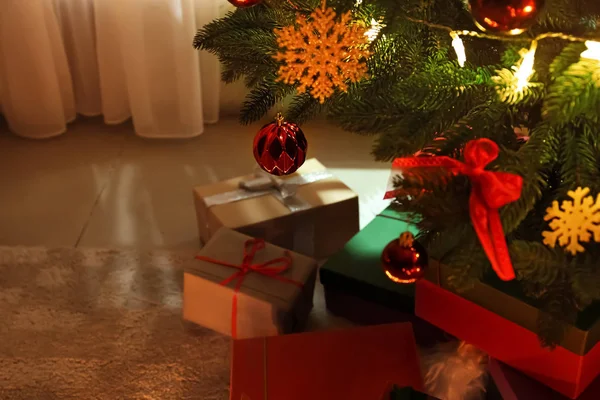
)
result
[(117, 58)]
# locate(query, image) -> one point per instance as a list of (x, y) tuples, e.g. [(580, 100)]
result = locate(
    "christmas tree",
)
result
[(423, 77)]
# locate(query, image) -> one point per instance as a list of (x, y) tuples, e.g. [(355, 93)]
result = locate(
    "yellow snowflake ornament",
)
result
[(322, 54), (575, 222)]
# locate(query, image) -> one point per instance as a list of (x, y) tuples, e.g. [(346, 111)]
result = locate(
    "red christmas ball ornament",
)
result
[(404, 260), (244, 3), (508, 17), (280, 147)]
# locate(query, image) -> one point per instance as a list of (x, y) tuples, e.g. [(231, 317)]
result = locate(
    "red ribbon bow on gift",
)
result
[(271, 268), (490, 191)]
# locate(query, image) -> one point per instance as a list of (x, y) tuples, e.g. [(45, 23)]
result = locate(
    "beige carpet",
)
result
[(97, 324)]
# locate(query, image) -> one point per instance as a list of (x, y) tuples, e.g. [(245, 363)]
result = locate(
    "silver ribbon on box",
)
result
[(283, 190), (263, 184)]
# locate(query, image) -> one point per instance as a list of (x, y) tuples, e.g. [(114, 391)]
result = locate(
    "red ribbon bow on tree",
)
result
[(271, 268), (490, 191)]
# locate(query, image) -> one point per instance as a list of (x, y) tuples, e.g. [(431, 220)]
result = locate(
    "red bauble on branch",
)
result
[(244, 3), (404, 260), (280, 147), (491, 190), (510, 17)]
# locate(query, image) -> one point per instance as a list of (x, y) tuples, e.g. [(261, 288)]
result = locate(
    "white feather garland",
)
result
[(455, 371)]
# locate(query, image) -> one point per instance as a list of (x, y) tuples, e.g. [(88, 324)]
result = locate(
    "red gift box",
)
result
[(513, 385), (354, 364), (560, 369)]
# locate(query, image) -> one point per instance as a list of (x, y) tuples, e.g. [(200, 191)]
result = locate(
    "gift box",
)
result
[(352, 364), (310, 211), (505, 326), (243, 287), (513, 385), (355, 284)]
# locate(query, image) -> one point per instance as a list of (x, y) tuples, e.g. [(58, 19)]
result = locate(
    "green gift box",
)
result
[(356, 286)]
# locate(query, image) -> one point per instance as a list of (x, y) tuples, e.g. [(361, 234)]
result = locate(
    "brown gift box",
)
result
[(316, 221), (265, 306)]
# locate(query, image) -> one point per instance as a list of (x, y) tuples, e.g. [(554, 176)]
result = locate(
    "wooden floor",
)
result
[(102, 186)]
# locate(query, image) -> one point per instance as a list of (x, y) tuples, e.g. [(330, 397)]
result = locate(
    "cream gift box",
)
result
[(269, 300), (311, 211)]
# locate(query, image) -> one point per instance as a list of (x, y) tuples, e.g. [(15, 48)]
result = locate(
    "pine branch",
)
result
[(374, 105), (442, 199), (229, 74), (452, 12), (574, 94), (368, 107), (589, 154), (441, 84), (254, 19), (294, 6), (262, 98), (485, 120), (304, 107), (534, 262), (568, 16), (513, 214), (507, 88), (542, 147), (532, 159), (467, 266), (558, 311), (578, 159), (394, 58), (586, 280), (441, 244), (441, 132), (510, 56), (253, 69), (570, 55), (396, 139), (242, 42)]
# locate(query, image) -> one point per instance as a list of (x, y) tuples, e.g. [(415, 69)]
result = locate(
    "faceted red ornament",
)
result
[(244, 3), (404, 260), (280, 147), (509, 17)]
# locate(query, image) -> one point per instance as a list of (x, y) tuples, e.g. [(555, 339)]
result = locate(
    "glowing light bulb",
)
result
[(372, 33), (490, 22), (524, 72), (459, 48), (593, 50)]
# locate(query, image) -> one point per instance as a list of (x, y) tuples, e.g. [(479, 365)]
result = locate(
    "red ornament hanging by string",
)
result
[(280, 147), (244, 3), (404, 260), (490, 191), (509, 17)]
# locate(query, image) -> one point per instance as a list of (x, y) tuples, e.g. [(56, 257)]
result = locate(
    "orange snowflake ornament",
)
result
[(322, 54)]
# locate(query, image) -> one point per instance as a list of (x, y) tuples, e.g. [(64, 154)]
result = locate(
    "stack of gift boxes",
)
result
[(254, 280), (255, 276)]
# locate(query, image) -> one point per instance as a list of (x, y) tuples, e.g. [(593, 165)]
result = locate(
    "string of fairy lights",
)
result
[(523, 71)]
